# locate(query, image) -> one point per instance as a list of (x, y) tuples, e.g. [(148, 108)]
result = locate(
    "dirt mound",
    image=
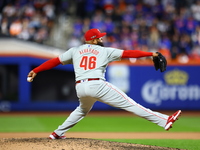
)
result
[(70, 144)]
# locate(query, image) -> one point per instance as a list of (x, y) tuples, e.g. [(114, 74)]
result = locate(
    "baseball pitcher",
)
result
[(90, 61)]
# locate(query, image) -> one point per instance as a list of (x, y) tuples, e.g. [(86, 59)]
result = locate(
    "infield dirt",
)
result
[(71, 144)]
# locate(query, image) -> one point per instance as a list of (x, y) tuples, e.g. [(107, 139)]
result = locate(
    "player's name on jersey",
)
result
[(89, 50)]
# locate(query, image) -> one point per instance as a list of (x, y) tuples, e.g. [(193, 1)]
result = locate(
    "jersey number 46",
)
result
[(88, 62)]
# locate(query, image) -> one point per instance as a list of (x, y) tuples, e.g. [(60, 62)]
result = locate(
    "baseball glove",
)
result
[(160, 62)]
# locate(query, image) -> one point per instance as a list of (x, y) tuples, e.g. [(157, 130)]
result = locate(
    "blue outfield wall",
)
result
[(176, 88)]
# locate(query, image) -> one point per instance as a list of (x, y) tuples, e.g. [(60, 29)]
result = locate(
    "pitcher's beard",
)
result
[(100, 44)]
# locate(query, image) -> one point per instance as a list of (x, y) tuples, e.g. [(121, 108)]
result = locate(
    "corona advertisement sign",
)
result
[(176, 88)]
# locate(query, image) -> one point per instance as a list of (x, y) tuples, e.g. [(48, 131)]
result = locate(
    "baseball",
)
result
[(29, 79)]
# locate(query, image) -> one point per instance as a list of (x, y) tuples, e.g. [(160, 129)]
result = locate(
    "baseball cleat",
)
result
[(54, 136), (172, 119)]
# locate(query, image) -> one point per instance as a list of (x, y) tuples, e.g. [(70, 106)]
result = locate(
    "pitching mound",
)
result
[(70, 144)]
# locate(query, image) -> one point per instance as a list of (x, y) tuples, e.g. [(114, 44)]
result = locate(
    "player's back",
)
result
[(89, 60)]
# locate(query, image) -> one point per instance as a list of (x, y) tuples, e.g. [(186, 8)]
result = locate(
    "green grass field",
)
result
[(106, 124)]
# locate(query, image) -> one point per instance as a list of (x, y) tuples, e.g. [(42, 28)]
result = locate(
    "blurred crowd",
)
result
[(30, 20), (169, 26)]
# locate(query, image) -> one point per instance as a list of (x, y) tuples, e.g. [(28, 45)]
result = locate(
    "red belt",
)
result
[(87, 80)]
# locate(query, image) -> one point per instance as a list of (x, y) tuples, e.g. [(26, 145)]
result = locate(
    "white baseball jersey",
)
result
[(90, 61)]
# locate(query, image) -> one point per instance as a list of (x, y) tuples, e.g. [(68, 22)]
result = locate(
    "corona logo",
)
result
[(176, 77)]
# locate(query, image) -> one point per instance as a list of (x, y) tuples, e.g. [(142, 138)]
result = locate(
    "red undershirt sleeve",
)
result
[(135, 54), (49, 64)]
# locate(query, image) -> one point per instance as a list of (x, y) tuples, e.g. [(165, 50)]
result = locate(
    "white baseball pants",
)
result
[(98, 90)]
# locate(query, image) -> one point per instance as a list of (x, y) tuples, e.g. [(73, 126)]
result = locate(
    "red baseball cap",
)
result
[(93, 34)]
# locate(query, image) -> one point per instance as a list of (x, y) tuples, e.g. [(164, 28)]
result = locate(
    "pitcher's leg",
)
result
[(153, 116), (115, 97), (78, 114)]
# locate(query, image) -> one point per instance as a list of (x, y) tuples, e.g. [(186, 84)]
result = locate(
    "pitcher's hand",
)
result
[(31, 76)]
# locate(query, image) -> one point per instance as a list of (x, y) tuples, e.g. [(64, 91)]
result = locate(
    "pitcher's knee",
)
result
[(83, 111)]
